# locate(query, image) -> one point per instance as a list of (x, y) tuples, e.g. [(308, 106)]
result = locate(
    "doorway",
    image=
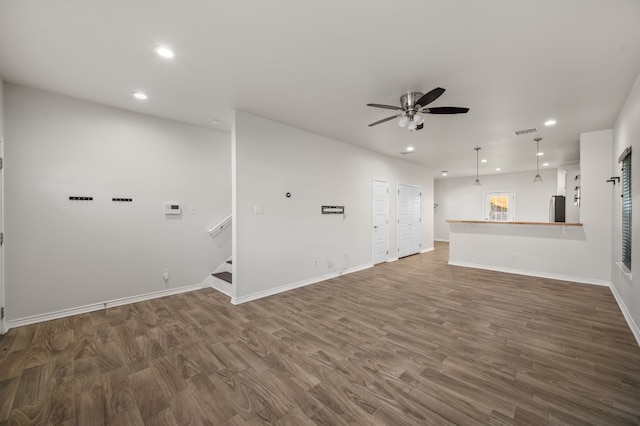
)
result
[(409, 220), (380, 221)]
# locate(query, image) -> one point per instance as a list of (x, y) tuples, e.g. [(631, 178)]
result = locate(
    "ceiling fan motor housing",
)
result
[(408, 102)]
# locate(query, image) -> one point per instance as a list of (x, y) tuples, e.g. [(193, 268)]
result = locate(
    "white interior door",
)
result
[(409, 220), (380, 221), (2, 317)]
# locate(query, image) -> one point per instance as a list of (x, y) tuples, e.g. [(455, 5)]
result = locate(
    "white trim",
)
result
[(627, 316), (217, 284), (581, 280), (625, 271), (485, 214), (424, 250), (100, 305), (443, 241), (303, 283)]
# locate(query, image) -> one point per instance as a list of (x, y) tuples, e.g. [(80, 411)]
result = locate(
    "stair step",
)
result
[(225, 276), (230, 262)]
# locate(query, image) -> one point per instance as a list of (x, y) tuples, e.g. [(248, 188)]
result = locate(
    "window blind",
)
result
[(625, 159)]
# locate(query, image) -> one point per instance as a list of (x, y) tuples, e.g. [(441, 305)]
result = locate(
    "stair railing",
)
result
[(226, 222)]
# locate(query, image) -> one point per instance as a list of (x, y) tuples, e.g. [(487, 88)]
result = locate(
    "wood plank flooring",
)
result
[(413, 342)]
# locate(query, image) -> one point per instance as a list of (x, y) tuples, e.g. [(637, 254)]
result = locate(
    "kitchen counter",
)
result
[(516, 223)]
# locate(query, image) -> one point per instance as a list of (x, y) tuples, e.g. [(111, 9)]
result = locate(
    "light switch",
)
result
[(258, 210)]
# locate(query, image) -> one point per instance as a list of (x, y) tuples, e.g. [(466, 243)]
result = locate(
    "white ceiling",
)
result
[(315, 66)]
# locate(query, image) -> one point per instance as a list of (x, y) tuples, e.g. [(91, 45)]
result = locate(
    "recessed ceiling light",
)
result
[(444, 173), (545, 164), (139, 95), (484, 160), (165, 52), (550, 122), (540, 154), (498, 169), (410, 149)]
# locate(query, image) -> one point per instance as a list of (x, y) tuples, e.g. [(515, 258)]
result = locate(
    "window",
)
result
[(625, 159), (499, 206)]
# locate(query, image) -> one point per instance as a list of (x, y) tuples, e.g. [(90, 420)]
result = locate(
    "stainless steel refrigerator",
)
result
[(557, 208)]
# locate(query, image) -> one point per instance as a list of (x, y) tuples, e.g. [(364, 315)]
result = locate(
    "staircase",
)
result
[(225, 275), (222, 279)]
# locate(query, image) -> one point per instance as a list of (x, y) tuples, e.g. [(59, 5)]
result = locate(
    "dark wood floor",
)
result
[(413, 342)]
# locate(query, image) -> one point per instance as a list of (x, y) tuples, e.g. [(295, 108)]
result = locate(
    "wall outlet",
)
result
[(514, 257), (165, 274)]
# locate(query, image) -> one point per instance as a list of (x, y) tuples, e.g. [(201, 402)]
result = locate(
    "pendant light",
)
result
[(477, 181), (538, 178)]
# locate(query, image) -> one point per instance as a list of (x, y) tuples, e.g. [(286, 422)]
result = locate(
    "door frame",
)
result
[(419, 188), (373, 215), (3, 323)]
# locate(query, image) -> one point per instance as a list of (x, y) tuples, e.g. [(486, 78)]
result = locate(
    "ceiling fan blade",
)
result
[(446, 110), (385, 119), (427, 98), (384, 106)]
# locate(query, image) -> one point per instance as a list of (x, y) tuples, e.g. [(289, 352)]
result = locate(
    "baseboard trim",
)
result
[(442, 241), (292, 286), (428, 249), (581, 280), (33, 319), (627, 316)]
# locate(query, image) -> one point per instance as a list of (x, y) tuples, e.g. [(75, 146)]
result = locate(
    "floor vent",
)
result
[(525, 132)]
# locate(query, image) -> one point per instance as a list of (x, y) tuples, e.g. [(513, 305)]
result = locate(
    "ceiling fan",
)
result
[(412, 105)]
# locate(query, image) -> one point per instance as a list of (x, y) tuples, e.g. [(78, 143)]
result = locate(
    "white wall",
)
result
[(595, 213), (573, 211), (626, 133), (458, 199), (2, 109), (279, 247), (64, 254)]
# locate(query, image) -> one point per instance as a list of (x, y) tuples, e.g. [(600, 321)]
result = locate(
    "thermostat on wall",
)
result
[(170, 208)]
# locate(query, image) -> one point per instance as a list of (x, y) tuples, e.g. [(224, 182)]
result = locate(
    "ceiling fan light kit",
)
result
[(413, 105)]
